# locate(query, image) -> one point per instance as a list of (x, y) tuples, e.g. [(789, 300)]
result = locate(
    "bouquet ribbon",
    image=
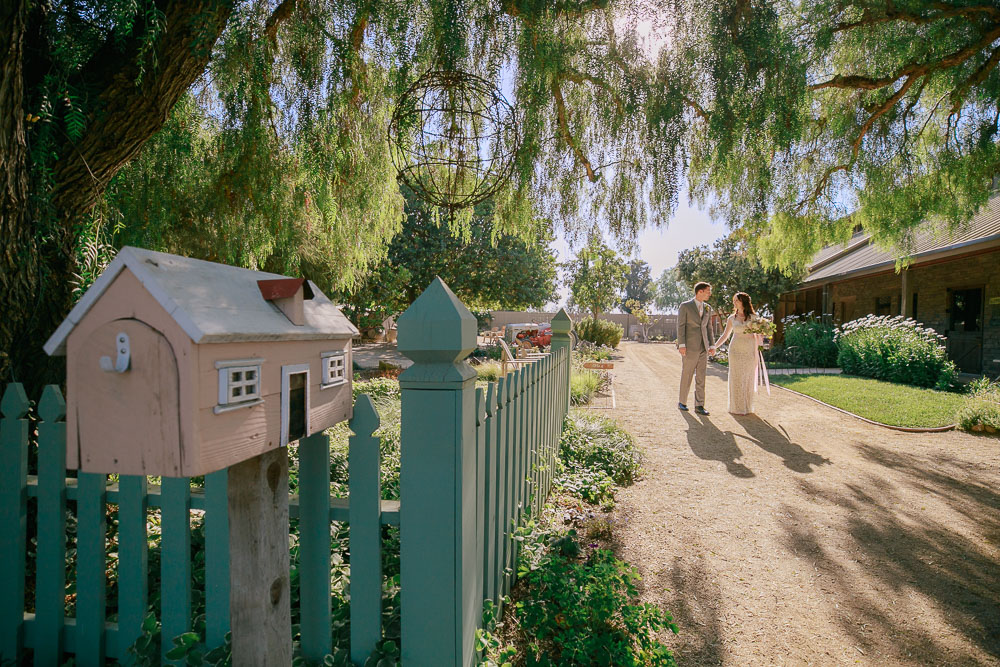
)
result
[(760, 371)]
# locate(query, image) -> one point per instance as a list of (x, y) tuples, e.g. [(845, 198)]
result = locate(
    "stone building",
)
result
[(951, 284)]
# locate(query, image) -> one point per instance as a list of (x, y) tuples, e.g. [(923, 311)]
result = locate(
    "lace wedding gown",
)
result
[(742, 366)]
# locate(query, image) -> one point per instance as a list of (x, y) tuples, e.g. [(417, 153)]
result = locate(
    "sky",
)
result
[(688, 227)]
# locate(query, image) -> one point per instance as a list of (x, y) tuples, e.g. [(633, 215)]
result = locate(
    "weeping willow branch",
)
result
[(944, 12), (914, 69), (567, 135), (281, 14)]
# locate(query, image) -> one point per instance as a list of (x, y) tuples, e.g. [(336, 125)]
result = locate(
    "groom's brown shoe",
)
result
[(700, 410)]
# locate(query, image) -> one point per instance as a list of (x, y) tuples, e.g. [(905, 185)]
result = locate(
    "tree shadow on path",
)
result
[(908, 551), (776, 441), (709, 443), (689, 591)]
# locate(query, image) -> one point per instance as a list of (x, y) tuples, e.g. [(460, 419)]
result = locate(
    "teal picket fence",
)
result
[(473, 462)]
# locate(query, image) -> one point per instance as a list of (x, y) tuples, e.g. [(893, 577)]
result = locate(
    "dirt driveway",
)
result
[(804, 536)]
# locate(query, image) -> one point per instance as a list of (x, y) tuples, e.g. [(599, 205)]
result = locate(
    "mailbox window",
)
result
[(243, 383), (239, 384), (334, 368)]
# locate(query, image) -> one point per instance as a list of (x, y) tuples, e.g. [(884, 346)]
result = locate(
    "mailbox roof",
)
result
[(212, 303)]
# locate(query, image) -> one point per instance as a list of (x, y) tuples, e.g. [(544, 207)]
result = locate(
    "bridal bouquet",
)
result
[(760, 326)]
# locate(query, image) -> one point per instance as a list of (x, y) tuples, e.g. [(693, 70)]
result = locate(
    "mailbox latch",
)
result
[(124, 358)]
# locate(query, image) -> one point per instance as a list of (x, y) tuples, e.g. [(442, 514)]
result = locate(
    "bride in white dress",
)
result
[(742, 355)]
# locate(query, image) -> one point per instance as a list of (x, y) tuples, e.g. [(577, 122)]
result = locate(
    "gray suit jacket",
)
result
[(692, 329)]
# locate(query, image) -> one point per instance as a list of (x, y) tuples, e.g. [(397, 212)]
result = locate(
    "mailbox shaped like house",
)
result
[(178, 367)]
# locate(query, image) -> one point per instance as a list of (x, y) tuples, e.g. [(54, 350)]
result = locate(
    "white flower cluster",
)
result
[(897, 323)]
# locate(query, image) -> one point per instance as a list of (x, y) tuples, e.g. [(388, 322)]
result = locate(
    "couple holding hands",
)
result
[(693, 319)]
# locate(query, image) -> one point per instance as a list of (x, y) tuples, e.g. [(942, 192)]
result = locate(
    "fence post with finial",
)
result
[(439, 570), (364, 461), (562, 325)]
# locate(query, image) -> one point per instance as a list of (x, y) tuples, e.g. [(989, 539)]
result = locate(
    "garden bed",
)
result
[(878, 401)]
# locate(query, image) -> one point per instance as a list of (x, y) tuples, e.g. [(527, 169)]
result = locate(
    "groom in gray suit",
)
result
[(693, 320)]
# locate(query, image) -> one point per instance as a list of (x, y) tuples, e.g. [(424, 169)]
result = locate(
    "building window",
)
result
[(239, 384), (913, 309), (334, 368), (883, 305)]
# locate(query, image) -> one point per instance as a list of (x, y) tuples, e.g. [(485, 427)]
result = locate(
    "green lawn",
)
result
[(885, 402)]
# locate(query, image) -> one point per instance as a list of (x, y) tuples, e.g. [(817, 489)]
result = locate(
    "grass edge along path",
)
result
[(883, 402)]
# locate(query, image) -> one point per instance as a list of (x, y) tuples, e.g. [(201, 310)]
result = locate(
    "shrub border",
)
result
[(904, 429)]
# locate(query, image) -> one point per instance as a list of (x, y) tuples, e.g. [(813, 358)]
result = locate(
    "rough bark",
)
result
[(16, 243), (128, 107)]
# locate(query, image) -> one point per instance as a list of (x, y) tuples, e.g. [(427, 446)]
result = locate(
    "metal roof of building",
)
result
[(929, 239), (212, 303)]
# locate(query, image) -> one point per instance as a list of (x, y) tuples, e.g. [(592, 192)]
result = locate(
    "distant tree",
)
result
[(671, 291), (641, 315), (596, 277), (730, 268), (486, 274), (638, 285)]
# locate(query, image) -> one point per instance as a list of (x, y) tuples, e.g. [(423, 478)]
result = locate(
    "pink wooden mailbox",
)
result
[(178, 367)]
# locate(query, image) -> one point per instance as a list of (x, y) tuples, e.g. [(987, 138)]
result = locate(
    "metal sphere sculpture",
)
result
[(455, 139)]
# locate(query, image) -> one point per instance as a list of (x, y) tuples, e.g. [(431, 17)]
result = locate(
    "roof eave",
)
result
[(919, 257)]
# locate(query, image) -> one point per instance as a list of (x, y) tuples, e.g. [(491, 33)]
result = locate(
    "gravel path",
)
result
[(806, 537)]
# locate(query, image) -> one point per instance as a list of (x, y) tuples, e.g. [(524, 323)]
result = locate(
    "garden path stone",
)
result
[(803, 536), (367, 355)]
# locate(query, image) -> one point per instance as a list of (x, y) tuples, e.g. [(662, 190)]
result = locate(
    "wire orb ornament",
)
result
[(455, 138)]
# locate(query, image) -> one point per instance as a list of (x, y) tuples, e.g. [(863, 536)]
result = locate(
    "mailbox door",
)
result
[(129, 422)]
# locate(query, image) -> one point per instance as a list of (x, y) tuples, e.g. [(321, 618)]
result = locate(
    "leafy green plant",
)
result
[(189, 647), (894, 349), (493, 351), (599, 332), (980, 411), (582, 386), (488, 644), (595, 454), (377, 388), (586, 613), (809, 341)]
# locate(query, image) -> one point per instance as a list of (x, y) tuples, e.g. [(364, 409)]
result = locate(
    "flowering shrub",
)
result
[(587, 350), (809, 341), (895, 349)]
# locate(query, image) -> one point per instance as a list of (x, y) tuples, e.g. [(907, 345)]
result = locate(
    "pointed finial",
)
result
[(437, 332), (52, 407), (15, 402), (365, 420), (562, 323)]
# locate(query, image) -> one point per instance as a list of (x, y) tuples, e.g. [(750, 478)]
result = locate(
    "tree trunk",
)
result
[(19, 261), (37, 259)]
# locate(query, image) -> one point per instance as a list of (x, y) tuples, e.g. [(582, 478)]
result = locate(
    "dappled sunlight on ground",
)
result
[(800, 535)]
